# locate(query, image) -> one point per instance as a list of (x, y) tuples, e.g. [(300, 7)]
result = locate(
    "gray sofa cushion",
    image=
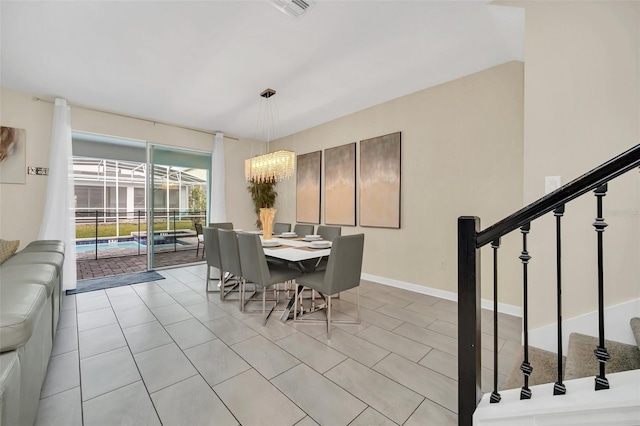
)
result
[(20, 308), (9, 388), (33, 258), (46, 246), (43, 274)]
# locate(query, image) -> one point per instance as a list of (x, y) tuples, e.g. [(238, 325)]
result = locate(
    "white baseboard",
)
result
[(616, 327), (443, 294)]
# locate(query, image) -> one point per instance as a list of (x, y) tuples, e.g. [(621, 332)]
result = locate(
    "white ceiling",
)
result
[(204, 63)]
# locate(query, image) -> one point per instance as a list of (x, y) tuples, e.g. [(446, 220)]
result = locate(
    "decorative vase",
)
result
[(266, 217)]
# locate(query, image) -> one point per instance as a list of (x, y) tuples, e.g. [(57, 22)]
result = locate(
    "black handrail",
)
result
[(585, 183), (471, 239)]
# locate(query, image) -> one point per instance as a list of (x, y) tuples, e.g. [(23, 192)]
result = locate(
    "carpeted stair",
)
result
[(579, 362), (582, 363), (544, 368), (635, 327)]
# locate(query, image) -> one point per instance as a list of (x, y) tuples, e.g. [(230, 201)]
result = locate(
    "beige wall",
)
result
[(461, 155), (22, 206), (581, 108)]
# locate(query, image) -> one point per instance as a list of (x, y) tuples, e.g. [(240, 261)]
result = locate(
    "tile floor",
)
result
[(168, 353)]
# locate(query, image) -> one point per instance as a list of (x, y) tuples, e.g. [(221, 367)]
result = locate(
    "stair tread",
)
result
[(544, 368), (581, 362), (635, 327)]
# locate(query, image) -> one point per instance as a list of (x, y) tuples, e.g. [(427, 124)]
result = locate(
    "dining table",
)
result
[(296, 250)]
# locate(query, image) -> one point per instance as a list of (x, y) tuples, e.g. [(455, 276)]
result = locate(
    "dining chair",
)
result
[(230, 258), (279, 228), (256, 270), (221, 225), (329, 232), (212, 255), (302, 229), (342, 273), (200, 236)]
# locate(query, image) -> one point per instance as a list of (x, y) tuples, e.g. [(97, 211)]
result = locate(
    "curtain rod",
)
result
[(51, 101)]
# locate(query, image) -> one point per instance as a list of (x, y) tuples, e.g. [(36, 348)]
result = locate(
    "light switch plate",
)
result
[(31, 170), (551, 183)]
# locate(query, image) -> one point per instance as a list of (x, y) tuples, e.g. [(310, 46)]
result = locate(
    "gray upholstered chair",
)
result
[(342, 273), (221, 225), (329, 232), (230, 256), (279, 228), (212, 256), (256, 270), (302, 229)]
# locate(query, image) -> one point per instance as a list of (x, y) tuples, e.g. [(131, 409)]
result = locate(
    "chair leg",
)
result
[(358, 301), (222, 293), (206, 283), (328, 317), (295, 307)]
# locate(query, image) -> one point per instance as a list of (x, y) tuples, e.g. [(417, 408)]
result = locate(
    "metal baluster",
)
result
[(96, 235), (175, 238), (526, 368), (559, 388), (138, 232), (495, 396), (601, 352)]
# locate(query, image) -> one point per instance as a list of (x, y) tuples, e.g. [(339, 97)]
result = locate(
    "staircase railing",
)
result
[(471, 239)]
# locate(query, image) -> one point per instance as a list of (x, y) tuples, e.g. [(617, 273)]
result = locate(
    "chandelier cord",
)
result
[(271, 166)]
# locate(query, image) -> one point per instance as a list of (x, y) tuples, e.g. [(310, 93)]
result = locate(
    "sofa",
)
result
[(30, 299)]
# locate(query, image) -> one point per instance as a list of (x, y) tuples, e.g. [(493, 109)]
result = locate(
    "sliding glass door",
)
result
[(178, 199)]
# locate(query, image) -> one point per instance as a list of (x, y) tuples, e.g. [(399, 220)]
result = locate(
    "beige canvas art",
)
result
[(13, 155), (340, 185), (308, 187), (380, 181)]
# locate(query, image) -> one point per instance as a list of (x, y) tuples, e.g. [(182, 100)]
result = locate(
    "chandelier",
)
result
[(273, 166)]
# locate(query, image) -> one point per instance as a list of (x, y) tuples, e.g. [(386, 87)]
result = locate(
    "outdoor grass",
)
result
[(106, 230)]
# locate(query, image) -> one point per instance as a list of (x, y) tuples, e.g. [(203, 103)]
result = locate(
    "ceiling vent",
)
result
[(293, 8)]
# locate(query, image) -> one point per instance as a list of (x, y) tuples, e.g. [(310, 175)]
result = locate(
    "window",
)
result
[(89, 197), (138, 199)]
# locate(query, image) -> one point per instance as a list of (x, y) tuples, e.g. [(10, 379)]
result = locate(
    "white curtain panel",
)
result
[(217, 203), (58, 222)]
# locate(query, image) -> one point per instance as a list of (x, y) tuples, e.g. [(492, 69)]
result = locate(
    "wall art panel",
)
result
[(380, 181), (340, 185), (308, 187), (13, 168)]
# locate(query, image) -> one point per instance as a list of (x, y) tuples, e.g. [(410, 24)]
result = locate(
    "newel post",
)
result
[(469, 369)]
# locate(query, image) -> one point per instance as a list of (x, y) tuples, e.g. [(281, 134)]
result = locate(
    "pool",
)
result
[(120, 245)]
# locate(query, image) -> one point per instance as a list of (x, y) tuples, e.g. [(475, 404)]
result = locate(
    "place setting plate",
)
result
[(320, 244), (288, 235), (271, 243), (312, 238)]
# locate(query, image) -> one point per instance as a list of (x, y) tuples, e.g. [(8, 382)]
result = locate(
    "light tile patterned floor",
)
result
[(169, 353)]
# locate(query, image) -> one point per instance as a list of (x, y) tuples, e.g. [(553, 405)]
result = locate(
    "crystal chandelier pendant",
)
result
[(273, 166)]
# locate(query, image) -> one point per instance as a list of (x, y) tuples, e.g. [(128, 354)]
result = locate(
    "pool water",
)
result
[(119, 245)]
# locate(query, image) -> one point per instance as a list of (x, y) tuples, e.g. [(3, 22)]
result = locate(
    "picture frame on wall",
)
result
[(308, 182), (13, 155), (380, 181), (340, 185)]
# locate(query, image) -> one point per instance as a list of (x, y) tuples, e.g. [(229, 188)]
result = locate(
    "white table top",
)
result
[(293, 254)]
